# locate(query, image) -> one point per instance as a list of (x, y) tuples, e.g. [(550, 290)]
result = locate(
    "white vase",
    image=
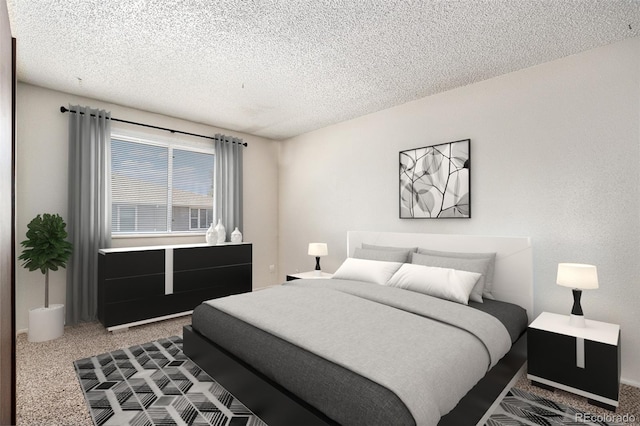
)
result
[(236, 236), (212, 235), (46, 323), (222, 233)]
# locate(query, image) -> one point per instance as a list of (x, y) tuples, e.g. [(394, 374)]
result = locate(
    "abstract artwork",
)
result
[(435, 181)]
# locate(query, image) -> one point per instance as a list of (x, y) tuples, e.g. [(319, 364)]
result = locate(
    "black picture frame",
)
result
[(435, 181)]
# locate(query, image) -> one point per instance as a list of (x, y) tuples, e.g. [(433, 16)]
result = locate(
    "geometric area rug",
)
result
[(156, 384), (519, 407)]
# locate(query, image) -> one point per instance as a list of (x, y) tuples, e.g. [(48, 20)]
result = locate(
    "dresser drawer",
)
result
[(130, 311), (234, 275), (187, 259), (132, 263), (134, 288)]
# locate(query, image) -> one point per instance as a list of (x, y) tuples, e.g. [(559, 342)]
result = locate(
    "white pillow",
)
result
[(478, 265), (373, 271), (444, 283), (488, 282)]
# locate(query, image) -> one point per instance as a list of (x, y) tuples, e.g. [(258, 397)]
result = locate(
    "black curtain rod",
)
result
[(63, 110)]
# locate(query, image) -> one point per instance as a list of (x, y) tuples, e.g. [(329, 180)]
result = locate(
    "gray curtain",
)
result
[(89, 223), (228, 191)]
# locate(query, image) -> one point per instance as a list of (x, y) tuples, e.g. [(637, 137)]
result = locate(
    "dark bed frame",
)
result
[(278, 407)]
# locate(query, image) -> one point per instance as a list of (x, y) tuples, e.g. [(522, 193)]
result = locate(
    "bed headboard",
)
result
[(513, 276)]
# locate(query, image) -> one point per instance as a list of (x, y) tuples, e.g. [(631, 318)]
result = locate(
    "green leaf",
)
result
[(46, 247)]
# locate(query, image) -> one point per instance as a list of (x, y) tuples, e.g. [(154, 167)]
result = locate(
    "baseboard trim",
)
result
[(266, 287), (630, 382)]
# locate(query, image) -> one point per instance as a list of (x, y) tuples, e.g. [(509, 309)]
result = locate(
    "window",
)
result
[(160, 188), (201, 218)]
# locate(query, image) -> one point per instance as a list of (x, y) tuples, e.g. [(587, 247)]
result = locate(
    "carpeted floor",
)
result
[(629, 400), (519, 407), (48, 391)]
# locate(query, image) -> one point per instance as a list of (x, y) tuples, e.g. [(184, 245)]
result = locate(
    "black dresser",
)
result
[(137, 285)]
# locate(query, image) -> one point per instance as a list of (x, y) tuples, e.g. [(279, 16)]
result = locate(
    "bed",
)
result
[(349, 351)]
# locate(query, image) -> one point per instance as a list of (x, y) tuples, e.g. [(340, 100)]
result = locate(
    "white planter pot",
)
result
[(46, 323)]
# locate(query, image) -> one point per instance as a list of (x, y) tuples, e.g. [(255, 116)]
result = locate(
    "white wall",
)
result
[(42, 149), (555, 156)]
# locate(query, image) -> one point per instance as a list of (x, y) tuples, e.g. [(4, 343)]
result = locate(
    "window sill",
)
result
[(154, 235)]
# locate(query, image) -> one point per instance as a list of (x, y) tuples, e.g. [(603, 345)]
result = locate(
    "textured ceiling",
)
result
[(282, 68)]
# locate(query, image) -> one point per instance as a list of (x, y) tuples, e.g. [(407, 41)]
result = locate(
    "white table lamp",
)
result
[(318, 250), (578, 277)]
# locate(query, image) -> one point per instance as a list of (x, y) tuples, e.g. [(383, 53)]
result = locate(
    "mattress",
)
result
[(342, 394)]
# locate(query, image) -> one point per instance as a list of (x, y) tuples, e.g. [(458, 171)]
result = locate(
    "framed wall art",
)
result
[(435, 181)]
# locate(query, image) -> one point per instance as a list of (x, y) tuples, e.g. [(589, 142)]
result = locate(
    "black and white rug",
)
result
[(521, 408), (156, 384)]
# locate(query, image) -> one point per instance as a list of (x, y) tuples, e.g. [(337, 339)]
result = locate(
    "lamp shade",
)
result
[(577, 275), (318, 249)]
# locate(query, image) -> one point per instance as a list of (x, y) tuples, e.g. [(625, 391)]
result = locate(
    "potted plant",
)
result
[(46, 249)]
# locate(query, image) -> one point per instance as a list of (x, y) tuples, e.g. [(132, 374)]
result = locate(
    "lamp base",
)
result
[(577, 321), (317, 263), (577, 309)]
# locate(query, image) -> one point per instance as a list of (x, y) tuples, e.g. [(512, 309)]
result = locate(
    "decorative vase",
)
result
[(236, 236), (212, 235), (222, 233), (46, 323)]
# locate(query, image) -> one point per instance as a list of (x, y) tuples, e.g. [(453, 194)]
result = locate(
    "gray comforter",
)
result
[(429, 352)]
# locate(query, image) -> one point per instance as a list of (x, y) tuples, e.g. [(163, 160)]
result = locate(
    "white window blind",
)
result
[(156, 189), (192, 189)]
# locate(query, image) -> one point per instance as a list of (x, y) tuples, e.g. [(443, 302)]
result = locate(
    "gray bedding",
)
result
[(341, 394), (513, 317), (417, 354)]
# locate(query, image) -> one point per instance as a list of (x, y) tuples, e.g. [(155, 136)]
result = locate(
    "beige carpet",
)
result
[(48, 392), (629, 399)]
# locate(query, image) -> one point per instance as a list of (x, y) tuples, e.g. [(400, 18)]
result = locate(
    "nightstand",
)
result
[(584, 361), (313, 275)]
